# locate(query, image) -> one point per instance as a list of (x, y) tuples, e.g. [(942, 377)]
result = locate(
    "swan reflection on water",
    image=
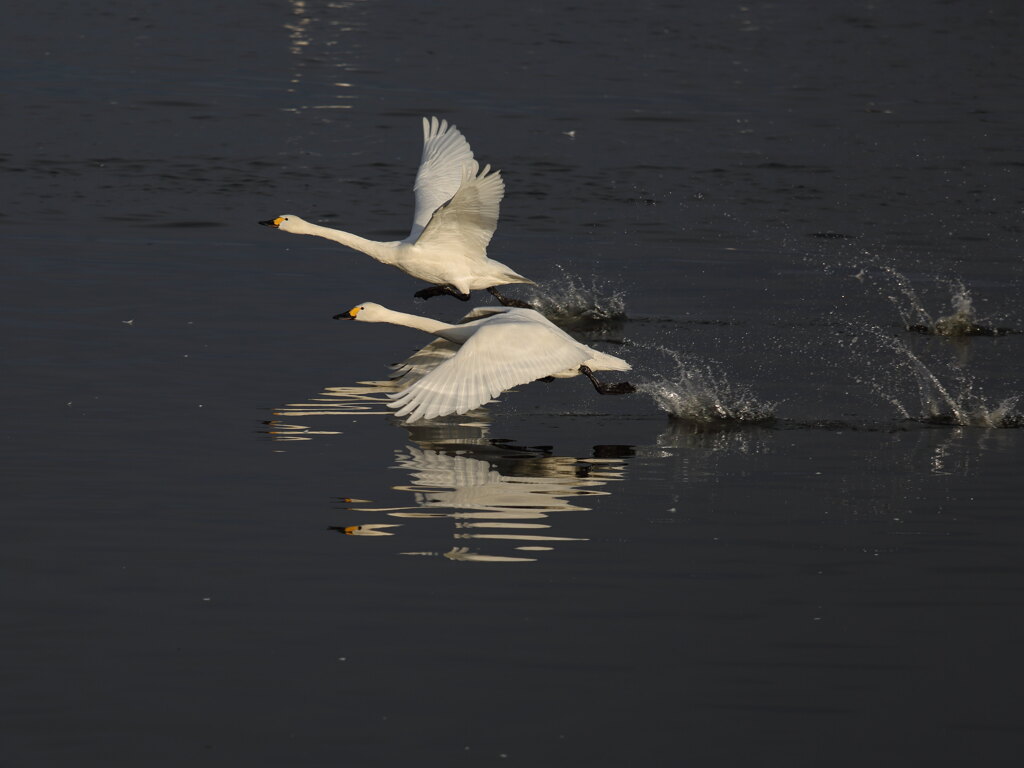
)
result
[(491, 491), (363, 399), (507, 496)]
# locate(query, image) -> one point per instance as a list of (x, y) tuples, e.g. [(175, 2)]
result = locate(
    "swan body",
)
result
[(479, 359), (455, 217)]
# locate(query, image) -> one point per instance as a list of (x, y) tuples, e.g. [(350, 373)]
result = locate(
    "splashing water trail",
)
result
[(954, 401), (570, 301), (697, 395), (896, 287), (964, 320)]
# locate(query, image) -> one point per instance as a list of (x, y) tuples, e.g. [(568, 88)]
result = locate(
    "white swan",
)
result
[(493, 353), (456, 215), (423, 361)]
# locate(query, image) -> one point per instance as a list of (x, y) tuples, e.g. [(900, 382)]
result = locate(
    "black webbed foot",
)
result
[(441, 290), (622, 388), (506, 301)]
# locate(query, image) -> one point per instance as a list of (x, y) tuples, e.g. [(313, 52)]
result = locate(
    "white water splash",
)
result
[(964, 321), (897, 288), (945, 397), (570, 301), (695, 393)]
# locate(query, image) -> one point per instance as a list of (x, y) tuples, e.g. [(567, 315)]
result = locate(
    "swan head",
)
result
[(287, 223), (367, 312)]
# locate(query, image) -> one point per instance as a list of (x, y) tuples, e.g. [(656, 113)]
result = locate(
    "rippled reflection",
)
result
[(493, 493), (363, 398), (489, 492), (370, 529)]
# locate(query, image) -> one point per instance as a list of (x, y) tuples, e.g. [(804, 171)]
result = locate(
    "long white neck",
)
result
[(435, 327), (383, 252)]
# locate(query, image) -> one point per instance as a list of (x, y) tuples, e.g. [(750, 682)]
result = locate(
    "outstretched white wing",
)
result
[(466, 223), (423, 361), (446, 155), (509, 349)]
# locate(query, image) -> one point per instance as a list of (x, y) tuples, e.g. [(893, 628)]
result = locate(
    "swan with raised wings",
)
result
[(455, 216)]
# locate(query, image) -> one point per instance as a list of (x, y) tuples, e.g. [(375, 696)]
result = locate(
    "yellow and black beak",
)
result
[(273, 222), (350, 315)]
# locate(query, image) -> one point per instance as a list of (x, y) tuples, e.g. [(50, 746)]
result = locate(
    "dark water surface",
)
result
[(773, 192)]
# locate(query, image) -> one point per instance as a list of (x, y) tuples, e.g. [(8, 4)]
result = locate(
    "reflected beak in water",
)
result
[(271, 222)]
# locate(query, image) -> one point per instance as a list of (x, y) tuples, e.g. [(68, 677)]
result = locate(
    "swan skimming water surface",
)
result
[(505, 348)]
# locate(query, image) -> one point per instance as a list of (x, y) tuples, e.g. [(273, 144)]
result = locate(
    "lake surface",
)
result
[(800, 543)]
